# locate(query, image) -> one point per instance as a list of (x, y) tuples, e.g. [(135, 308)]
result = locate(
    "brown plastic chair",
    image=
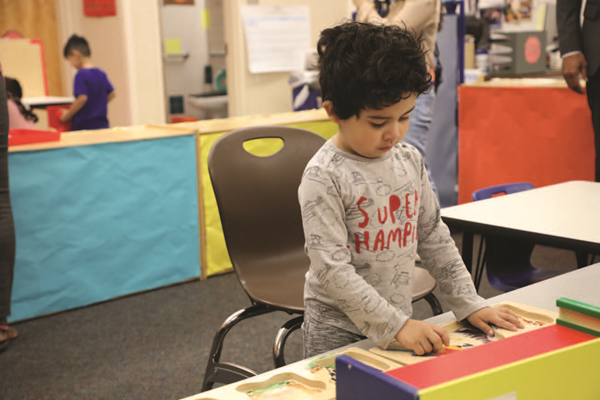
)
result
[(423, 285), (258, 203)]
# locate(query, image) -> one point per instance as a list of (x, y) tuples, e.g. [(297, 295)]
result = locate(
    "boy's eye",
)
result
[(405, 118), (374, 125)]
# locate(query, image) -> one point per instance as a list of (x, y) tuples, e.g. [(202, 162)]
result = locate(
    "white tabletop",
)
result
[(45, 101), (567, 211)]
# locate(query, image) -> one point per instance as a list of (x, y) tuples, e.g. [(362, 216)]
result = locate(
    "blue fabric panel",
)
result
[(357, 381), (96, 222), (442, 141)]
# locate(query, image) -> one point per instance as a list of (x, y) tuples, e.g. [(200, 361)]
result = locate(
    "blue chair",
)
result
[(510, 188), (507, 261)]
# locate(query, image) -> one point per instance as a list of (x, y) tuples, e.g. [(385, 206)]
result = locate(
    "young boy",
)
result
[(92, 89), (368, 207)]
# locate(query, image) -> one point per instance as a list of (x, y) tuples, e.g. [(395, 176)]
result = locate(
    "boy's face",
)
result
[(75, 59), (374, 132)]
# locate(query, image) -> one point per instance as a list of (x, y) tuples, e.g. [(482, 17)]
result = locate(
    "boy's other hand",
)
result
[(423, 337), (501, 317), (64, 115)]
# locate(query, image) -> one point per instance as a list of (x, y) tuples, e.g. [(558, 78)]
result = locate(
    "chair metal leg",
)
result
[(583, 259), (480, 265), (282, 335), (228, 372), (434, 303), (225, 373), (467, 249)]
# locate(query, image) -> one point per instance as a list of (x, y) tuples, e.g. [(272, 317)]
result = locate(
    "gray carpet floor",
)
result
[(155, 345)]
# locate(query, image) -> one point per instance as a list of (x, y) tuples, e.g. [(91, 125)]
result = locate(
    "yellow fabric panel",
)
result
[(570, 373), (216, 257), (263, 147)]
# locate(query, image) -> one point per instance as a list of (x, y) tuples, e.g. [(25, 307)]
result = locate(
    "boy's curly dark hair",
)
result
[(364, 65), (77, 43)]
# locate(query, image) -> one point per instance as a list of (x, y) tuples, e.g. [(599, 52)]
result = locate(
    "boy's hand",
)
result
[(501, 317), (423, 337), (64, 115)]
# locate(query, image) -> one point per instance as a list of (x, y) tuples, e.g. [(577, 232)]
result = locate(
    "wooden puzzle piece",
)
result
[(314, 378), (328, 362), (286, 385)]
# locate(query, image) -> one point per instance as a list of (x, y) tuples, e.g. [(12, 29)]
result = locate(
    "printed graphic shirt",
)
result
[(364, 222)]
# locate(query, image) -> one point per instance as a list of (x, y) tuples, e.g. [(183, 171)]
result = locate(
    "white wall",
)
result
[(268, 93), (185, 76), (144, 66), (127, 48)]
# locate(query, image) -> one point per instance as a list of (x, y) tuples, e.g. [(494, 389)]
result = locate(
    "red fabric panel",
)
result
[(491, 355), (514, 134)]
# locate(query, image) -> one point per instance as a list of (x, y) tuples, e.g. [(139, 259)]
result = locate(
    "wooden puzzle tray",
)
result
[(463, 335)]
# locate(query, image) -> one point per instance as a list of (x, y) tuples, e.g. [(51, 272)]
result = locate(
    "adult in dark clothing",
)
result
[(7, 228), (580, 48)]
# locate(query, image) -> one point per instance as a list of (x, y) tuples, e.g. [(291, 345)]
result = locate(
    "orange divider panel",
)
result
[(541, 135)]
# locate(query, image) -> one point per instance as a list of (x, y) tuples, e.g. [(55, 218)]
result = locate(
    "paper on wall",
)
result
[(277, 38), (172, 45), (205, 18)]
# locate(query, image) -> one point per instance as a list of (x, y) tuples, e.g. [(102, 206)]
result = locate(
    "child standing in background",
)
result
[(92, 89), (367, 205)]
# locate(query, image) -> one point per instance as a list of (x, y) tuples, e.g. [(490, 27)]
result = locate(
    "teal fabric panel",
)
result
[(100, 221)]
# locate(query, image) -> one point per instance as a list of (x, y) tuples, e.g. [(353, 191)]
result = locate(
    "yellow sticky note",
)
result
[(205, 18), (173, 46), (540, 20)]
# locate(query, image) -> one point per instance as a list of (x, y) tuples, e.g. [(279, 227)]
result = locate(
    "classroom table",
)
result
[(580, 285), (565, 215), (45, 101)]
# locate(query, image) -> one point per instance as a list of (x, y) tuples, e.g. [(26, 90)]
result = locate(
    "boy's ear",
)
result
[(328, 106)]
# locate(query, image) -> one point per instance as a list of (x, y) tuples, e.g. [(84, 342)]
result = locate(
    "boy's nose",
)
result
[(393, 133)]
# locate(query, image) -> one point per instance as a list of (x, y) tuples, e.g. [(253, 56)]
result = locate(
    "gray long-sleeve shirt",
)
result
[(364, 222)]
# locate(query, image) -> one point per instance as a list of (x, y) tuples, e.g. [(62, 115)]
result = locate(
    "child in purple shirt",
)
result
[(92, 89)]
